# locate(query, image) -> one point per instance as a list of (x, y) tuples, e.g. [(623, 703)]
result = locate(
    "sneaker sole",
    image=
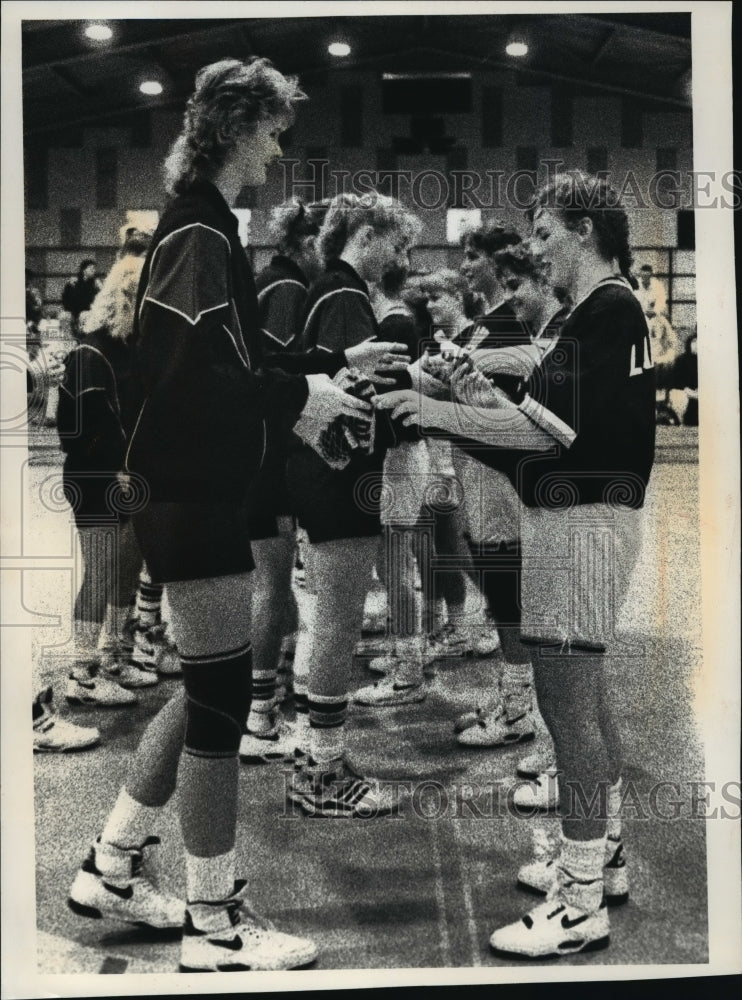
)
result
[(253, 758), (71, 749), (502, 745), (390, 704), (72, 700), (93, 913), (242, 968), (597, 945)]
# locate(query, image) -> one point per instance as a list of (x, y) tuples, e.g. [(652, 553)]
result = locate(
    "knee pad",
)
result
[(218, 692)]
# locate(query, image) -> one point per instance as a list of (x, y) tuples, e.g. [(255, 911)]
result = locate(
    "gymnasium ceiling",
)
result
[(70, 81)]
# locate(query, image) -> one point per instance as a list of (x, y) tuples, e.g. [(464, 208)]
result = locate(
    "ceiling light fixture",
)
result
[(151, 87), (98, 32), (338, 49), (517, 48)]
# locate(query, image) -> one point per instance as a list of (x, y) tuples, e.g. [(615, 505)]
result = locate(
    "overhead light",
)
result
[(151, 87), (516, 48), (338, 49), (98, 32)]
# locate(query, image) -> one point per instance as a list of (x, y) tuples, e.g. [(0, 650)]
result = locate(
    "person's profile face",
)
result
[(89, 272), (477, 269), (557, 247), (444, 307), (257, 148), (525, 295), (645, 277)]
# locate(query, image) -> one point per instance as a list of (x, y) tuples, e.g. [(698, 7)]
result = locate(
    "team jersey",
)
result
[(338, 311), (203, 398), (498, 328), (594, 392), (92, 396), (282, 289), (282, 296)]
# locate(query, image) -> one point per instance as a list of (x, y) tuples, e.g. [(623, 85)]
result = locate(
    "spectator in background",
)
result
[(684, 391), (651, 293), (45, 369), (79, 293), (663, 339), (94, 402), (34, 315)]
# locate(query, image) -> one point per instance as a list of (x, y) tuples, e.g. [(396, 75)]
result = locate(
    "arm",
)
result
[(508, 427)]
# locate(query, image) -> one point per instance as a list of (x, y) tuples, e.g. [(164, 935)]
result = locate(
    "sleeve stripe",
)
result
[(327, 295), (548, 421), (192, 322), (275, 284), (234, 342)]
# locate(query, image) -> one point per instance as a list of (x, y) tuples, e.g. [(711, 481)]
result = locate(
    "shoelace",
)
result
[(239, 909)]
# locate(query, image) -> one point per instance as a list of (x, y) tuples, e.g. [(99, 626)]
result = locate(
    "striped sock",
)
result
[(263, 700), (327, 714), (301, 703), (148, 600)]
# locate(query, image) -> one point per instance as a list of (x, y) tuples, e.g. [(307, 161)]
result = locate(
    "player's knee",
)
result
[(218, 701)]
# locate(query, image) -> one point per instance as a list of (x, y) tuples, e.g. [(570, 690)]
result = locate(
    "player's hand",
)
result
[(472, 388), (327, 401), (426, 383), (414, 409), (378, 359)]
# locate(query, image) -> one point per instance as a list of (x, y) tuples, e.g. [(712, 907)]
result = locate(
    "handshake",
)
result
[(338, 418)]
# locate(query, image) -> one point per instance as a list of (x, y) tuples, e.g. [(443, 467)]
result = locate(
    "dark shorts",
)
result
[(194, 541), (332, 504), (268, 498), (96, 498)]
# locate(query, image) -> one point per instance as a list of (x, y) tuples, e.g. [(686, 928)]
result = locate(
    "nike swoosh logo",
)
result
[(234, 945), (567, 923), (126, 893)]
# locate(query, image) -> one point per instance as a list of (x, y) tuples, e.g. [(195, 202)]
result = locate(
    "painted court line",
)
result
[(440, 899)]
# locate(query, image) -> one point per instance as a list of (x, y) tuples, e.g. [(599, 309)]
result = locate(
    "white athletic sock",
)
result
[(326, 744), (304, 641), (580, 873), (210, 879), (129, 823)]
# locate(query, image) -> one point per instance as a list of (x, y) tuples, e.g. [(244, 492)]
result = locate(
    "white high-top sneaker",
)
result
[(228, 936), (554, 929), (112, 883)]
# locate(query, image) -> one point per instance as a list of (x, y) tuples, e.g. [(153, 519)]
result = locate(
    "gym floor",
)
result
[(427, 888)]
